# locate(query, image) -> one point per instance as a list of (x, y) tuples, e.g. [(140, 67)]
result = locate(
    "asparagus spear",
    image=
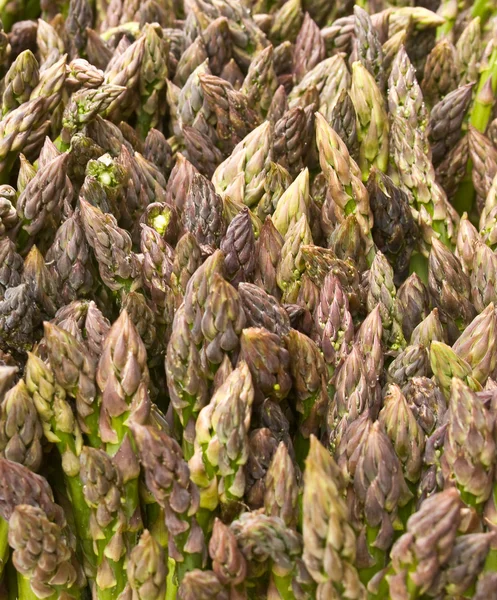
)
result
[(268, 545), (327, 533), (168, 477), (221, 444), (419, 554), (228, 562), (348, 194), (103, 492), (123, 377), (21, 486), (372, 119), (147, 570), (61, 428), (201, 585), (20, 428), (42, 556), (74, 372)]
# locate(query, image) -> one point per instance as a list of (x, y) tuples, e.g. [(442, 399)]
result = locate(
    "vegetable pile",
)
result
[(248, 300)]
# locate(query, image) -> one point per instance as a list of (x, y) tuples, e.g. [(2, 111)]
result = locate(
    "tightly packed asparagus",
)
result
[(248, 300)]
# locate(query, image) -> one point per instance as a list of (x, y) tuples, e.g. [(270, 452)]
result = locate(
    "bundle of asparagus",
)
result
[(248, 299)]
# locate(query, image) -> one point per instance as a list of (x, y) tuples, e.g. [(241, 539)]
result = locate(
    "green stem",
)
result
[(74, 487), (481, 111), (177, 570), (131, 487), (445, 29), (188, 449), (284, 586), (156, 524), (131, 503), (91, 422), (491, 561), (23, 239), (377, 555), (406, 511), (383, 592), (205, 518), (11, 580), (117, 568), (177, 426), (186, 423), (24, 590), (4, 544), (231, 505), (61, 145), (171, 583), (448, 10), (81, 513), (419, 265), (107, 594), (143, 122), (301, 447), (9, 15), (471, 500), (481, 8), (111, 593), (480, 115), (372, 253), (412, 589), (465, 195), (32, 9), (440, 227), (191, 562)]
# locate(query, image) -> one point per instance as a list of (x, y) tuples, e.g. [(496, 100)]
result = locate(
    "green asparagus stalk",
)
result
[(42, 556), (74, 372), (20, 428), (61, 428), (168, 477), (221, 443), (468, 466), (147, 569), (228, 562), (348, 194), (123, 378), (326, 530), (103, 495)]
